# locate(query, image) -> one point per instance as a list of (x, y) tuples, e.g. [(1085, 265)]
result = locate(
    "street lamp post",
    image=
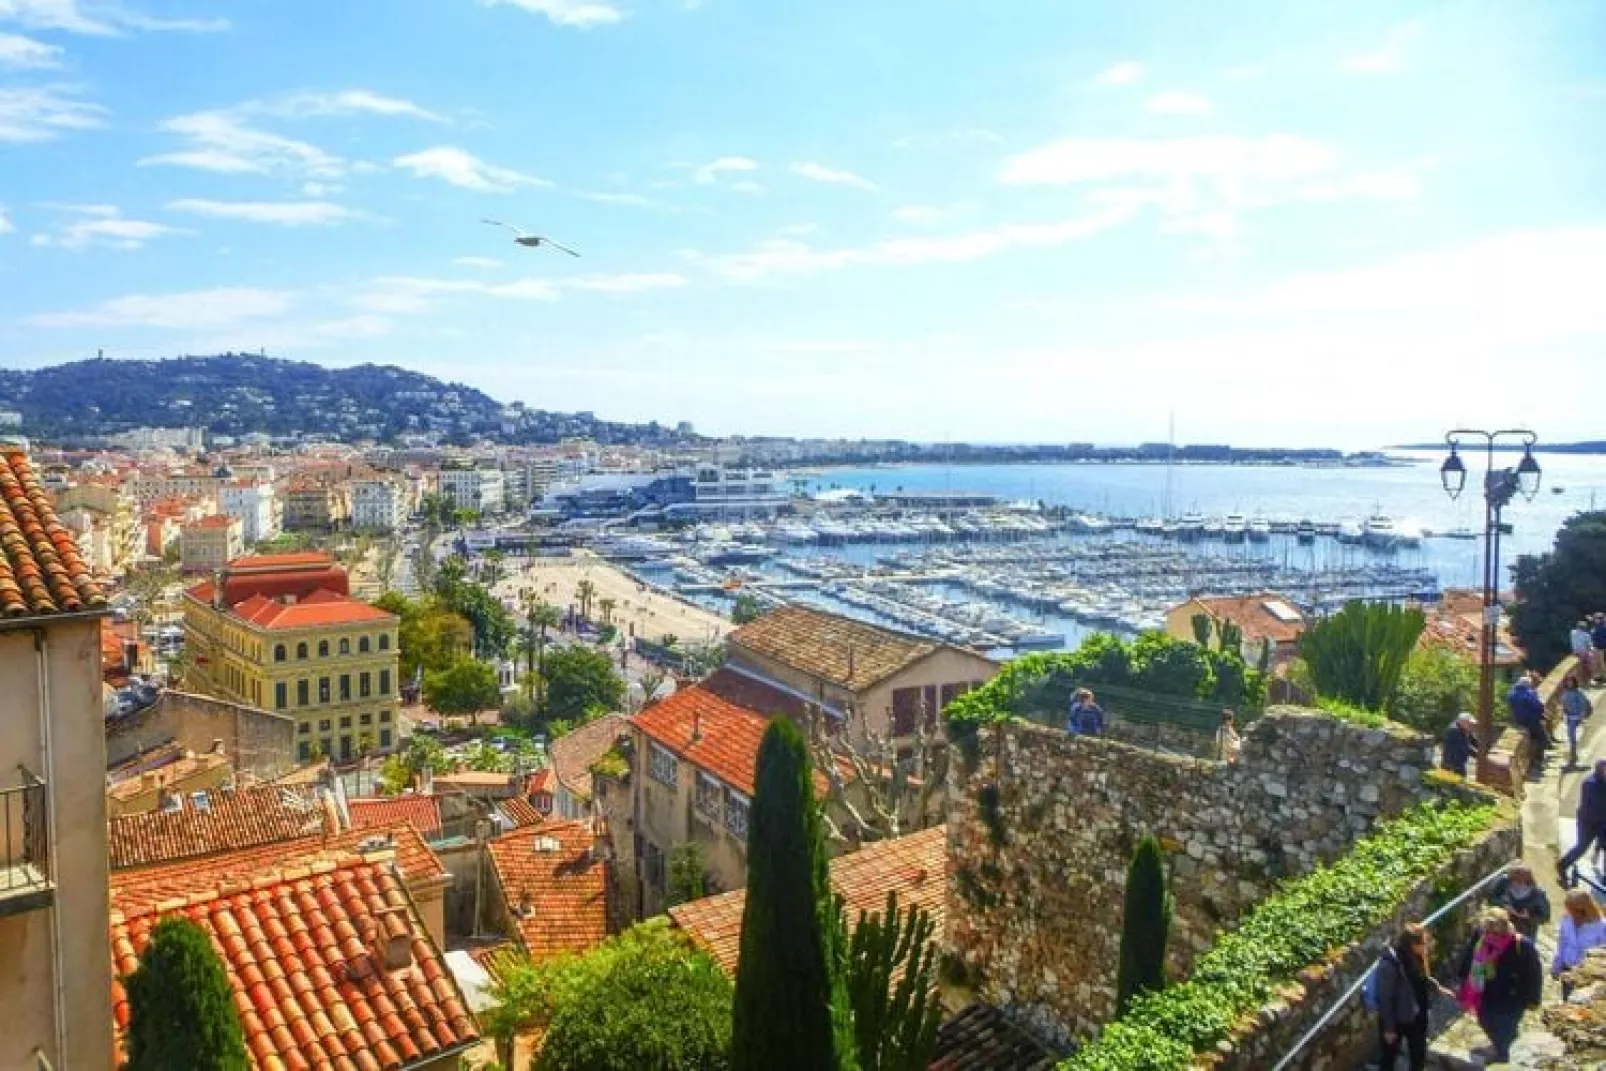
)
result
[(1500, 486)]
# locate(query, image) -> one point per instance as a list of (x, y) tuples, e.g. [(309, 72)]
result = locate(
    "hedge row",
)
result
[(1302, 924)]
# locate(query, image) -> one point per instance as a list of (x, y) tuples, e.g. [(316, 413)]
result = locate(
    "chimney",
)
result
[(426, 781), (217, 746), (696, 724), (217, 589)]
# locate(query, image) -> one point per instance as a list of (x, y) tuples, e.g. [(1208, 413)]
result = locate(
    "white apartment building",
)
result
[(254, 505), (482, 490), (378, 505)]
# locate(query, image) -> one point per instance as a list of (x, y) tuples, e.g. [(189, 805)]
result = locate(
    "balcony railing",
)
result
[(25, 878)]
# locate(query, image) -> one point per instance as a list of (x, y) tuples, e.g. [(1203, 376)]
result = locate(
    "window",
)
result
[(366, 719), (323, 726), (301, 651), (345, 722), (736, 814), (323, 689), (304, 750), (327, 746), (365, 684), (345, 687), (323, 648), (662, 765), (710, 797), (345, 646), (301, 693), (906, 703), (384, 738), (278, 652), (303, 728), (384, 682), (384, 642), (384, 717), (652, 865), (362, 645), (281, 695)]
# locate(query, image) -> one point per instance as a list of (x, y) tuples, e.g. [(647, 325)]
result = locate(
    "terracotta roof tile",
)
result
[(707, 731), (980, 1038), (837, 649), (911, 866), (574, 753), (421, 812), (549, 870), (311, 991), (216, 520), (238, 819), (521, 812), (1253, 614), (41, 571)]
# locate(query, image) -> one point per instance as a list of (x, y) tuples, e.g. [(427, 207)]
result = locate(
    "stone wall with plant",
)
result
[(1042, 825)]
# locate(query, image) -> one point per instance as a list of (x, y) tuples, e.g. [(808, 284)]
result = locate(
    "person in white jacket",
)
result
[(1581, 929)]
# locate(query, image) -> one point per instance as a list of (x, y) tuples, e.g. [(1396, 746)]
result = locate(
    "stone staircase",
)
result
[(1457, 1043)]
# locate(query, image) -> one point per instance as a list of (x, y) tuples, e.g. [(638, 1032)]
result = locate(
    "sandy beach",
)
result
[(652, 614)]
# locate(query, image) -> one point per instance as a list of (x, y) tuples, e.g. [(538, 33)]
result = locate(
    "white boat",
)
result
[(1234, 527), (1258, 529), (1379, 532), (1212, 529), (1351, 533), (1407, 536), (1149, 526), (1191, 526), (1305, 531)]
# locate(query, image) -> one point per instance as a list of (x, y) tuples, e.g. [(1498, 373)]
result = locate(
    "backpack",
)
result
[(1369, 991)]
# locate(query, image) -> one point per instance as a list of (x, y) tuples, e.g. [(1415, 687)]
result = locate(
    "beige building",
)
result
[(207, 545), (871, 680), (316, 505), (1266, 623), (55, 968)]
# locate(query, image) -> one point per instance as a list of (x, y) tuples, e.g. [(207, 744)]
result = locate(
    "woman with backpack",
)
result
[(1501, 977), (1402, 987)]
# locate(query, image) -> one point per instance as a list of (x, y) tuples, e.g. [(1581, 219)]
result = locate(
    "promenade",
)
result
[(636, 610)]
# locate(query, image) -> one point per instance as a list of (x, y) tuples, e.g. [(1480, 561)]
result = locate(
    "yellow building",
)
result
[(282, 632), (207, 545)]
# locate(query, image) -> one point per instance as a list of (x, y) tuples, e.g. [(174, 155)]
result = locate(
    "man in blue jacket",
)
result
[(1591, 822), (1528, 714)]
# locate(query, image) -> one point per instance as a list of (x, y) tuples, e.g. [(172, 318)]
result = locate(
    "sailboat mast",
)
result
[(1170, 456)]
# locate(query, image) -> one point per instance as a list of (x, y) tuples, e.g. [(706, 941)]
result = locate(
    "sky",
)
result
[(1327, 223)]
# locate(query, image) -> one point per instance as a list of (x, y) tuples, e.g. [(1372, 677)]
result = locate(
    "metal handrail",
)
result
[(1349, 994)]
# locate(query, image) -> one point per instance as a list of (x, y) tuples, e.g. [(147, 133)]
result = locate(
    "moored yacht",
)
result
[(1234, 527), (1258, 529), (1351, 533), (1305, 531), (1379, 532), (1191, 526)]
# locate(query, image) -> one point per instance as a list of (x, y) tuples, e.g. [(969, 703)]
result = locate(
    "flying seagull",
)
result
[(532, 241)]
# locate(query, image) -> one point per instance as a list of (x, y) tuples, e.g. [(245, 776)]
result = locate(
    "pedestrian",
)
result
[(1501, 977), (1582, 642), (1227, 740), (1597, 635), (1528, 714), (1086, 716), (1581, 929), (1405, 988), (1525, 902), (1590, 820), (1460, 745), (1575, 707)]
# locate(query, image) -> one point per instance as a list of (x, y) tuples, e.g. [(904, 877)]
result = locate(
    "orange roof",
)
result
[(541, 781), (575, 752), (521, 812), (311, 992), (911, 866), (423, 813), (321, 608), (707, 731), (299, 559), (834, 648), (1255, 615), (1456, 625), (216, 520), (237, 819), (181, 769), (555, 891), (147, 886), (41, 571)]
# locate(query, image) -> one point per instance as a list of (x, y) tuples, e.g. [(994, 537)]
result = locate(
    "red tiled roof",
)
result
[(237, 819), (834, 648), (549, 870), (297, 945), (421, 812), (146, 886), (911, 866), (1253, 614), (707, 731), (521, 812), (541, 781), (754, 694), (321, 607), (216, 520), (299, 560), (41, 571), (574, 753)]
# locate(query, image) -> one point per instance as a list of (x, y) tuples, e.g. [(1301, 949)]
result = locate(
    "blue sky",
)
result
[(1347, 223)]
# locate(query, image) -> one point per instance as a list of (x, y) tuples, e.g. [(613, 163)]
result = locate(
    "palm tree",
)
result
[(584, 592), (606, 606), (538, 617), (493, 567)]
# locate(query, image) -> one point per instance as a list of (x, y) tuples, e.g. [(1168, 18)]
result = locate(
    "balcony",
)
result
[(25, 881)]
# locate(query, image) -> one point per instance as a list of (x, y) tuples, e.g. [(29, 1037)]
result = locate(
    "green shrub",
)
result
[(1359, 653), (1303, 923), (1145, 925), (1351, 713), (1436, 686), (181, 1011)]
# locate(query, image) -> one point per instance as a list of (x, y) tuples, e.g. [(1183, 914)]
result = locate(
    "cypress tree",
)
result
[(788, 1005), (1145, 925), (181, 1013)]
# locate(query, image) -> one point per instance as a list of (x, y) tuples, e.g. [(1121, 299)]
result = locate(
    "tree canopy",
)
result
[(464, 687), (746, 608), (1358, 655), (181, 1011), (1558, 588), (431, 637), (581, 684)]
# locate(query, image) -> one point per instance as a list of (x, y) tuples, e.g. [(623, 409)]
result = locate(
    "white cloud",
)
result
[(789, 257), (1121, 74), (477, 262), (958, 138), (1387, 58), (1278, 158), (709, 173), (219, 307), (1179, 104), (282, 213), (583, 14), (40, 113), (101, 225), (341, 103), (465, 170), (817, 172), (24, 53), (223, 141), (105, 18), (320, 189), (746, 186), (1222, 226)]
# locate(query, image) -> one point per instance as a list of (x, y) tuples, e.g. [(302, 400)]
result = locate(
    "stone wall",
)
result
[(1350, 1039), (261, 743), (1042, 826)]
